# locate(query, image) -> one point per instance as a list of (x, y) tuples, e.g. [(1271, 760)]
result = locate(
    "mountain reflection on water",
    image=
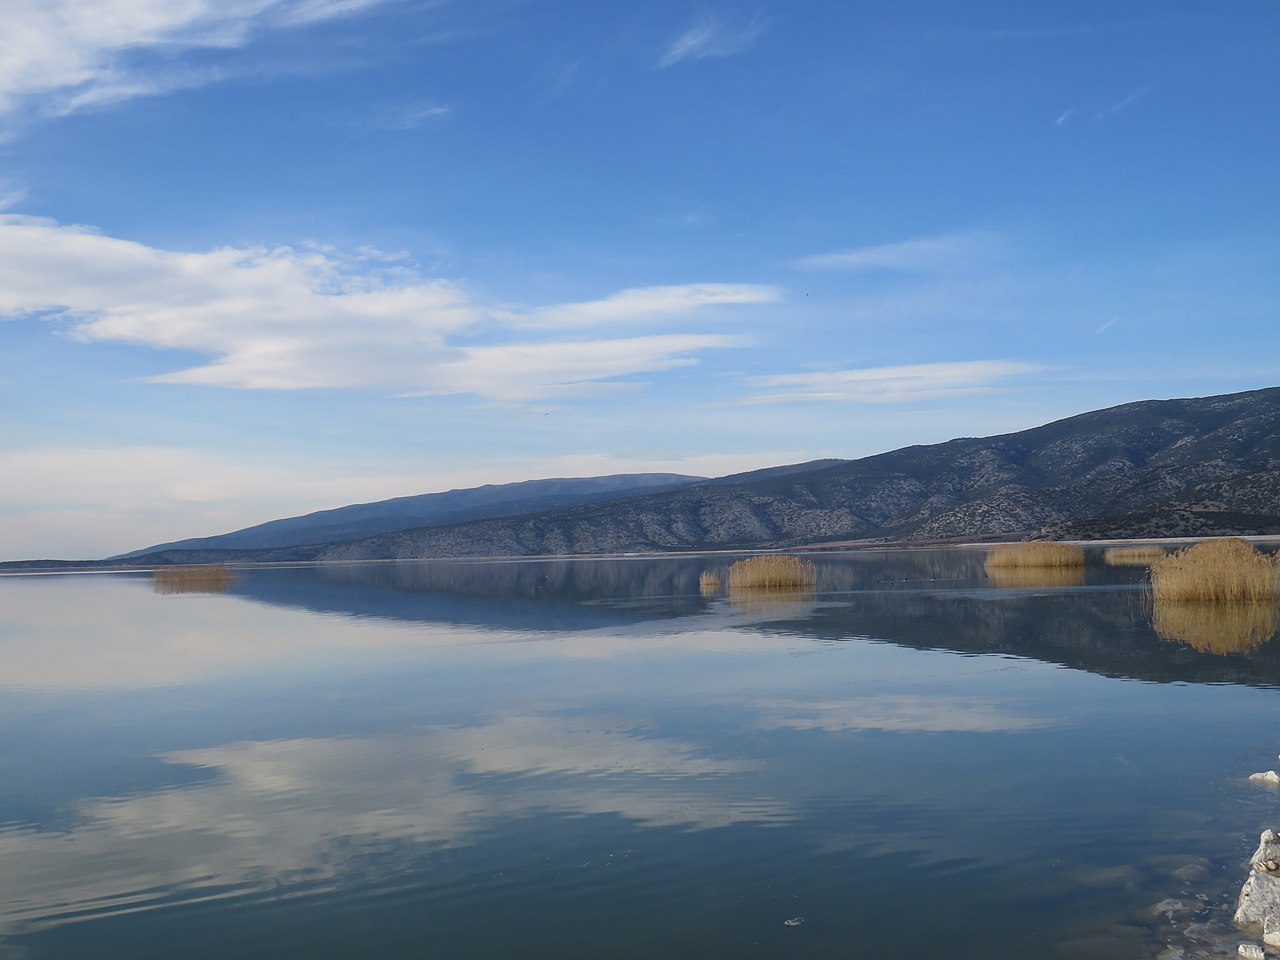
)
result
[(921, 599), (582, 758)]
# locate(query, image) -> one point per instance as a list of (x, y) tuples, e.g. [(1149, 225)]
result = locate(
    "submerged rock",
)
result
[(1189, 872), (1269, 777)]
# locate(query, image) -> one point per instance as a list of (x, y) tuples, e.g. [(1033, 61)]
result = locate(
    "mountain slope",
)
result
[(1132, 457), (1126, 459), (367, 519)]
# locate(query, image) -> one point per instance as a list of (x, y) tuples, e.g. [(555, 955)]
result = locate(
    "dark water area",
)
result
[(591, 758)]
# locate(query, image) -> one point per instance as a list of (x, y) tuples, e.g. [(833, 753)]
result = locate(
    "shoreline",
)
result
[(52, 567)]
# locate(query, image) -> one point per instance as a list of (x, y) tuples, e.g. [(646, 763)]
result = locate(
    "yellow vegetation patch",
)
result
[(205, 578), (1133, 556), (1219, 571), (772, 573), (1037, 554), (708, 583)]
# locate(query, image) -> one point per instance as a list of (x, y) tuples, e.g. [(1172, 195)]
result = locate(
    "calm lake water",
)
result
[(585, 759)]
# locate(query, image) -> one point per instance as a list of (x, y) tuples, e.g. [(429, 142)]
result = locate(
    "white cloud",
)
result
[(646, 303), (284, 318), (712, 37), (928, 255), (58, 56), (529, 371), (900, 384)]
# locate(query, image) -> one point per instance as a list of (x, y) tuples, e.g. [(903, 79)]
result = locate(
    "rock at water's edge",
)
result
[(1269, 777), (1260, 896)]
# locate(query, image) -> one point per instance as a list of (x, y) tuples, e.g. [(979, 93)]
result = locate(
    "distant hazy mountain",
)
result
[(1153, 468), (366, 519)]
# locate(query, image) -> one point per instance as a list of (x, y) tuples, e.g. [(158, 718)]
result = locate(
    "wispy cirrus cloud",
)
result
[(61, 56), (287, 318), (516, 372), (896, 384), (645, 304), (1124, 103), (406, 116), (712, 36), (926, 255)]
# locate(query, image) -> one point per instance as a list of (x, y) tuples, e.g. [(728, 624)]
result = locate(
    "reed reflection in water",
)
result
[(1218, 628), (773, 604)]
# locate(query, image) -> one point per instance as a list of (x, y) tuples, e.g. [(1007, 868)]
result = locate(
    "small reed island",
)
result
[(776, 572), (202, 578), (1035, 564)]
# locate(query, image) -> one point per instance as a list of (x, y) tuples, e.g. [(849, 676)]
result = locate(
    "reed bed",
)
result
[(1218, 628), (1034, 554), (205, 578), (708, 584), (1133, 556), (1036, 576), (1215, 571), (773, 572)]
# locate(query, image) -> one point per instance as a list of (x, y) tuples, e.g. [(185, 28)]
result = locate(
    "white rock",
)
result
[(1259, 905), (1268, 848), (1251, 951), (1269, 777)]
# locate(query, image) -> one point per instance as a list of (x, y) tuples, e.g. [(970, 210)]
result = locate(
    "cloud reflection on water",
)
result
[(309, 815), (901, 713)]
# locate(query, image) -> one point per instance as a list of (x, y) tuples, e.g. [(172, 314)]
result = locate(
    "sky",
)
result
[(264, 257)]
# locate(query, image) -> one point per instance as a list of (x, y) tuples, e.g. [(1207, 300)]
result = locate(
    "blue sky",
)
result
[(261, 257)]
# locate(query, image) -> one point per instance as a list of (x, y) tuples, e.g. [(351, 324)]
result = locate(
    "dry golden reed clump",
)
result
[(1217, 627), (1133, 556), (708, 583), (1220, 571), (772, 573), (1036, 576), (206, 578), (1034, 554)]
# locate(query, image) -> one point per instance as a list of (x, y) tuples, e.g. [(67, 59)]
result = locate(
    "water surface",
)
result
[(592, 758)]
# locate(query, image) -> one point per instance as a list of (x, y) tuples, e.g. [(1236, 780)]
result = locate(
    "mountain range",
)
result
[(1186, 467)]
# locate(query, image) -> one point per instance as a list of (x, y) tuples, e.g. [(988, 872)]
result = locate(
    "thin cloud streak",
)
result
[(899, 384), (644, 304), (928, 255), (712, 37), (1125, 103)]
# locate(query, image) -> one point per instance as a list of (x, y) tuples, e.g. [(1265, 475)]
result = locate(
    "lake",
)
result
[(585, 759)]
